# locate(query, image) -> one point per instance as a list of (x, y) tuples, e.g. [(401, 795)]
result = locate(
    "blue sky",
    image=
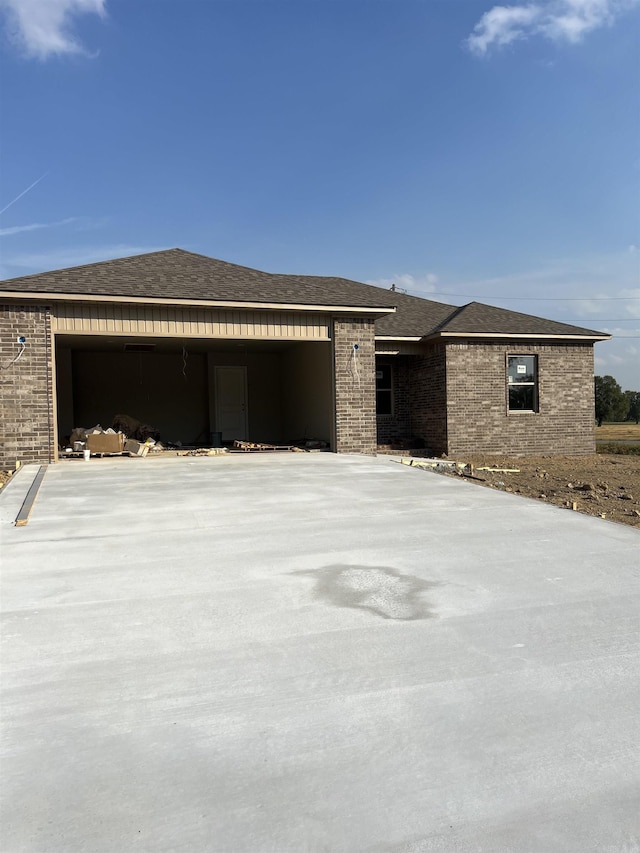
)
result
[(459, 148)]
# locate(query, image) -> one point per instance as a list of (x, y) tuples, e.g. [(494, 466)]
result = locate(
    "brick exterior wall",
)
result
[(355, 386), (454, 396), (398, 424), (428, 396), (477, 407), (26, 387)]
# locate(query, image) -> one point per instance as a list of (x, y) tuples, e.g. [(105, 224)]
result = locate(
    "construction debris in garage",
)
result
[(127, 436), (130, 437), (305, 445), (204, 451), (254, 446), (133, 428)]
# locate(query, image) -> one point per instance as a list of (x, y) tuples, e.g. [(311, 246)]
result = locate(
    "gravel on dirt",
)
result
[(604, 485)]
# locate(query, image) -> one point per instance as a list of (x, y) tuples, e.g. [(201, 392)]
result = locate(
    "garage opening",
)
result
[(190, 390)]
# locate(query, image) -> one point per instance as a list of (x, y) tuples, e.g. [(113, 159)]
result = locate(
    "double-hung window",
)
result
[(522, 371)]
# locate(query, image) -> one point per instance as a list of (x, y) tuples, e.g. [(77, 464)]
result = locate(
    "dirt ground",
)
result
[(600, 484), (605, 485)]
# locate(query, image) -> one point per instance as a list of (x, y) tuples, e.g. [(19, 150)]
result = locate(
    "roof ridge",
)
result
[(208, 258), (97, 263), (533, 316), (510, 314), (180, 274), (455, 313), (174, 250)]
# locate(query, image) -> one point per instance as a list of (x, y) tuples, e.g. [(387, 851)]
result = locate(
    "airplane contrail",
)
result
[(24, 192)]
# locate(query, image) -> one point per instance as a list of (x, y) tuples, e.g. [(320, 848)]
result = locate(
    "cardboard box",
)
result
[(103, 442), (136, 448)]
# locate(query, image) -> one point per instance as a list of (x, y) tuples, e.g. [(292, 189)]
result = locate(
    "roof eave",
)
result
[(414, 338), (198, 303), (595, 336)]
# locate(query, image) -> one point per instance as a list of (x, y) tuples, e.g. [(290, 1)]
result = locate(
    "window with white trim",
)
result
[(522, 373)]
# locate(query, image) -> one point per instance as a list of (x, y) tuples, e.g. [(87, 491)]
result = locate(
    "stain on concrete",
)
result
[(386, 592)]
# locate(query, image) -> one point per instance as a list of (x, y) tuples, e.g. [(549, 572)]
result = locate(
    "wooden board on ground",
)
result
[(256, 446), (25, 510)]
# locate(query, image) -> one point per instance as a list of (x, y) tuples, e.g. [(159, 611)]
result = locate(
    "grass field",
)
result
[(626, 431)]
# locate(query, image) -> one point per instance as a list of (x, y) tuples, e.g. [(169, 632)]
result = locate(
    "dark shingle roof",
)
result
[(477, 318), (177, 274), (414, 317)]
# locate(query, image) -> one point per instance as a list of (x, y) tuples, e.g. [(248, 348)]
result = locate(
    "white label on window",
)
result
[(522, 368)]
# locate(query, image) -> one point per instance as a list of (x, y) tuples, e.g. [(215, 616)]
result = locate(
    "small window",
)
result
[(523, 383), (384, 389)]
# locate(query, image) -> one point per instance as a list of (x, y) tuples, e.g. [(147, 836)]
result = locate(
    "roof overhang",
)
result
[(491, 336), (519, 337), (414, 339), (197, 303)]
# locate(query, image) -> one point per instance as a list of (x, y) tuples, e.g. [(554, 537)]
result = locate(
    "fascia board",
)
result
[(527, 337), (398, 338), (195, 303)]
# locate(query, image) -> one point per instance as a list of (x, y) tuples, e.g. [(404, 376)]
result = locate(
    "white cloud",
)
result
[(572, 19), (502, 25), (405, 281), (557, 20), (35, 226), (43, 28)]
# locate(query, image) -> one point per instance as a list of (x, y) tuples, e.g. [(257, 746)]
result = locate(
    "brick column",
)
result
[(429, 397), (26, 386), (355, 385)]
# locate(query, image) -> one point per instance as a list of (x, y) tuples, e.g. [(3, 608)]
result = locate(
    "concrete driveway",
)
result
[(313, 653)]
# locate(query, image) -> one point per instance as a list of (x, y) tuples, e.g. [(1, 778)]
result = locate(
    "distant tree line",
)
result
[(614, 404)]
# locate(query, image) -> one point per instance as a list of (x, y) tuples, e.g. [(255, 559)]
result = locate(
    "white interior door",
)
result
[(231, 403)]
